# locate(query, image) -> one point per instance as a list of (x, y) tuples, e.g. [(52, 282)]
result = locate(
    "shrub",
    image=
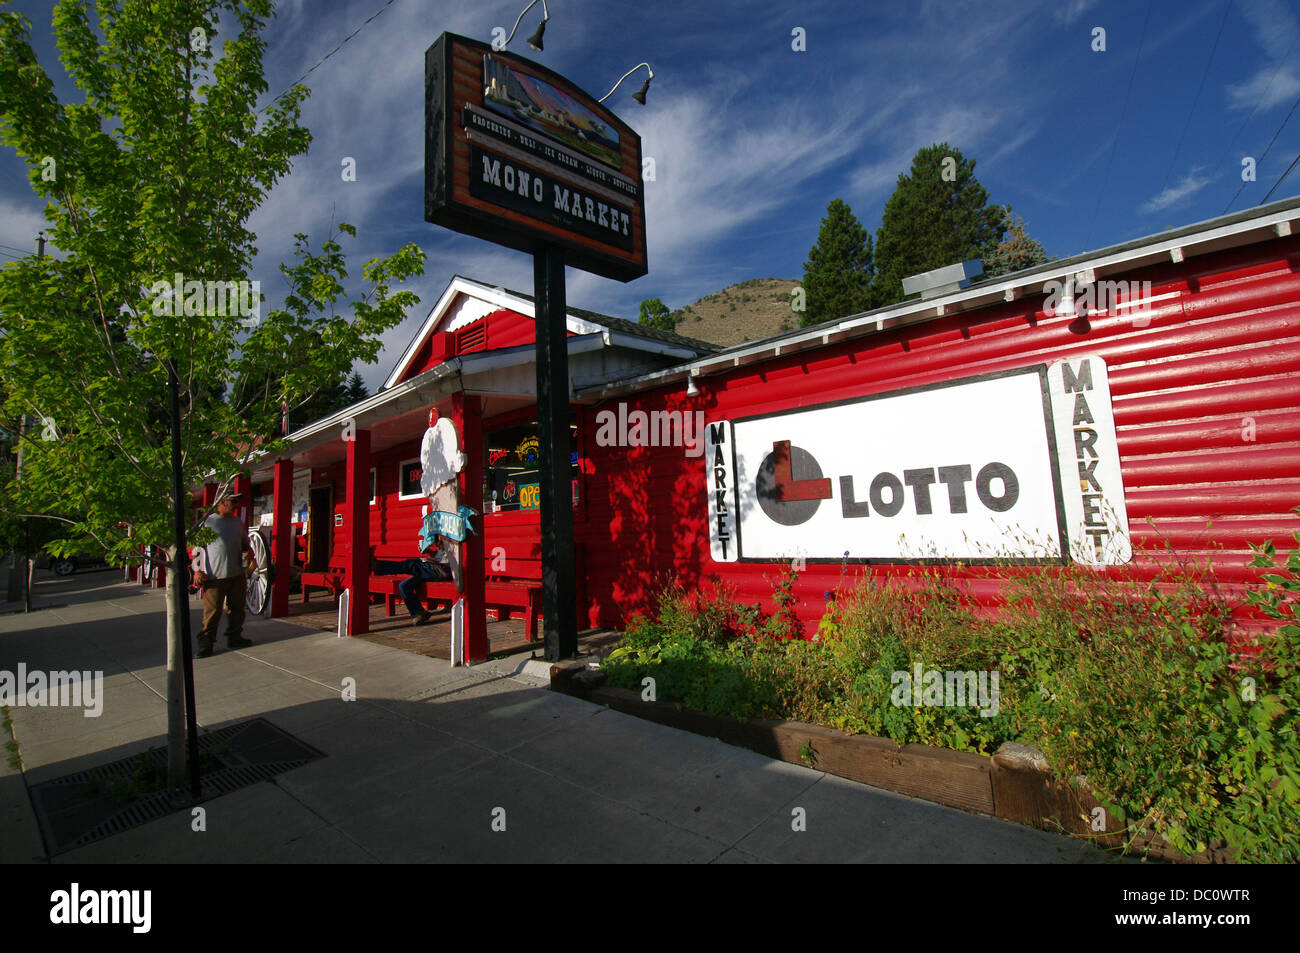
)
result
[(1141, 686)]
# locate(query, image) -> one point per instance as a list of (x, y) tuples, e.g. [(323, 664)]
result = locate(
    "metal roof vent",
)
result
[(944, 280)]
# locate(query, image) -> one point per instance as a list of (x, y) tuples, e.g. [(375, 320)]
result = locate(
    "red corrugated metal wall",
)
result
[(1206, 396)]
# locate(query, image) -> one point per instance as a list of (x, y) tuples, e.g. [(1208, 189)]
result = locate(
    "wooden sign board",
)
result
[(518, 155)]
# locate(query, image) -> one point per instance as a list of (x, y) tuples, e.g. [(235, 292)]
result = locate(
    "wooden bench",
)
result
[(505, 595), (332, 579)]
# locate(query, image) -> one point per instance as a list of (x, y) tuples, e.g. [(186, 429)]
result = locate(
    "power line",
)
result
[(1279, 181), (1199, 89), (1265, 155), (1240, 129), (328, 55), (1122, 113), (15, 248)]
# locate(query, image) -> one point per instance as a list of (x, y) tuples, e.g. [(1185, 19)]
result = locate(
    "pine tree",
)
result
[(355, 390), (1016, 251), (938, 215), (837, 277), (655, 314)]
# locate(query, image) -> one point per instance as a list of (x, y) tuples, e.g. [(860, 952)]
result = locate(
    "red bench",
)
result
[(502, 594), (332, 579)]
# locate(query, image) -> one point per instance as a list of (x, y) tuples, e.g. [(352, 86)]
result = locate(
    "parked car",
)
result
[(67, 565)]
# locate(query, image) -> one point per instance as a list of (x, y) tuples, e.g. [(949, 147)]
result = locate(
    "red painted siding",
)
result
[(1221, 350), (500, 329)]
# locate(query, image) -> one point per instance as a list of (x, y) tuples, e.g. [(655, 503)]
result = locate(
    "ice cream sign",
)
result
[(1020, 464)]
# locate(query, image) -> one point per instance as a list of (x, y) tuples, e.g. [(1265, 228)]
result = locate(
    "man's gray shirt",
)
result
[(224, 556)]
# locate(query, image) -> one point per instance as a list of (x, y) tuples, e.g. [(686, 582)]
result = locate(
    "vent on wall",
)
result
[(472, 337)]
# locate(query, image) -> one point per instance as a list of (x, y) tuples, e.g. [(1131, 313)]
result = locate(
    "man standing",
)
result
[(221, 572)]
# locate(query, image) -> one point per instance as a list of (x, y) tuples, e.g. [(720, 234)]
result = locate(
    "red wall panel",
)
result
[(1206, 394)]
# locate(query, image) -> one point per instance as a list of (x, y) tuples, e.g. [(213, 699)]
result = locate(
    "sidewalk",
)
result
[(425, 758)]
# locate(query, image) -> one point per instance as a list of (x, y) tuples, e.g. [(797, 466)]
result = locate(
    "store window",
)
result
[(512, 478), (409, 473)]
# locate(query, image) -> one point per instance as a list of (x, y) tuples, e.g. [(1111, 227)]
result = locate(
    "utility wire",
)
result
[(1199, 89), (1245, 122), (16, 248), (328, 55), (1122, 113), (1279, 181), (1260, 162)]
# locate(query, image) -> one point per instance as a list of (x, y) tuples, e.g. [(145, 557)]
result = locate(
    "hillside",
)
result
[(746, 311)]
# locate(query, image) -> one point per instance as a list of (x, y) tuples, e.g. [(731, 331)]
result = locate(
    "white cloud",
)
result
[(21, 221), (1191, 183), (1274, 82), (1070, 11)]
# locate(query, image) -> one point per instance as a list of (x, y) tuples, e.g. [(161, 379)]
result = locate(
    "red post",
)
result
[(209, 494), (467, 414), (357, 483), (244, 496), (281, 536)]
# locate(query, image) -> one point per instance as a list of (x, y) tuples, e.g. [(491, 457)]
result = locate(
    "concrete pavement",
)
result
[(429, 762)]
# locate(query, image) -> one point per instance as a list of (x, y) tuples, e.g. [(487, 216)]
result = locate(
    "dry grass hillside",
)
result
[(746, 311)]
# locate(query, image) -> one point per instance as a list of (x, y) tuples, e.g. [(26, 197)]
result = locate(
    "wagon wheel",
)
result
[(258, 581)]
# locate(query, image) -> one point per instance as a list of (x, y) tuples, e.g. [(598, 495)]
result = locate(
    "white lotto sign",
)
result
[(1015, 465)]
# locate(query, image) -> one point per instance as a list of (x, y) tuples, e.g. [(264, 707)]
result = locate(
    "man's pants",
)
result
[(420, 571), (231, 592)]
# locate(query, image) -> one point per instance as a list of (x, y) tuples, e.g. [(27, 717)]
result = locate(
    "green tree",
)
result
[(354, 391), (837, 277), (1016, 250), (654, 313), (938, 215), (155, 172)]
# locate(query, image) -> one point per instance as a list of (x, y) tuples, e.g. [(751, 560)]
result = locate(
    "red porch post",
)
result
[(209, 494), (281, 536), (358, 516), (244, 496), (467, 414)]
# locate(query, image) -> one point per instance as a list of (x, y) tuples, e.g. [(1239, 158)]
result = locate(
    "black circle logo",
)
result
[(803, 466)]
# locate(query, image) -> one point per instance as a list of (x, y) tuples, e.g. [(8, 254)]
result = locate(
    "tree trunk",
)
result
[(176, 765)]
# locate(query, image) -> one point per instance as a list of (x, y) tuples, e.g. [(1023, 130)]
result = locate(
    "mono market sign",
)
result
[(1019, 465), (518, 155)]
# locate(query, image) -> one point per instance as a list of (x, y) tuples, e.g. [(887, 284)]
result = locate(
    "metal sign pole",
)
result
[(559, 593)]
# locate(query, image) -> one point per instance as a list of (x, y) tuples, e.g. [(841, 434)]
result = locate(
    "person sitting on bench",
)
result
[(431, 566)]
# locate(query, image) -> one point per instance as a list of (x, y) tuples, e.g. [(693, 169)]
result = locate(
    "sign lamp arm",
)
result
[(639, 95), (535, 41)]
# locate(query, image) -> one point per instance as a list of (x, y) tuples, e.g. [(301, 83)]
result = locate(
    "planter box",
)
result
[(955, 778)]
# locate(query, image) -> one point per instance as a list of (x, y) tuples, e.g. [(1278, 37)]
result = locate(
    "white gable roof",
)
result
[(465, 301)]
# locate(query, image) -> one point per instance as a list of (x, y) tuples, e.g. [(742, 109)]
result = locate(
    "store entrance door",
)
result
[(320, 529)]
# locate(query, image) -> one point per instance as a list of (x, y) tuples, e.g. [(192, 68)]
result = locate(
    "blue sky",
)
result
[(752, 139)]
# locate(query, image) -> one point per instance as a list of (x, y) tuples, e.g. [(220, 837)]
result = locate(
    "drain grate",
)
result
[(87, 806)]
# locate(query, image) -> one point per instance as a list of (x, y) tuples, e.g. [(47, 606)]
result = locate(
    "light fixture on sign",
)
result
[(639, 95), (534, 41), (691, 389)]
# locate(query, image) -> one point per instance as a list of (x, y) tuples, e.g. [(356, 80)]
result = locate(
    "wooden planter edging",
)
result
[(1015, 784)]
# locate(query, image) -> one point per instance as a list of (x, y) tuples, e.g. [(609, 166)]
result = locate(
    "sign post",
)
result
[(518, 155), (559, 602)]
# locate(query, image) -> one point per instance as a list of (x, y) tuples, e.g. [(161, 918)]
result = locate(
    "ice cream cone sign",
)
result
[(441, 458)]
